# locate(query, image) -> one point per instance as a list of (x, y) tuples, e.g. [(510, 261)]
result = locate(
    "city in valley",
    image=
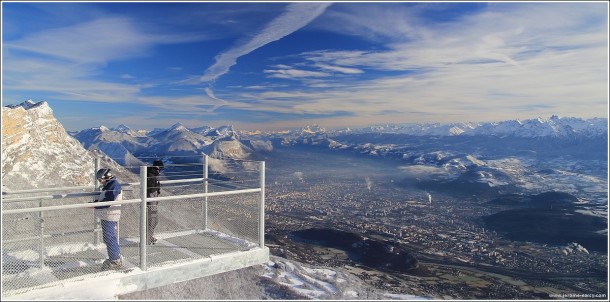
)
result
[(458, 256)]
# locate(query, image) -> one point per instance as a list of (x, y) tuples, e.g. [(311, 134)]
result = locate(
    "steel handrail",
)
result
[(84, 194), (10, 192), (130, 201)]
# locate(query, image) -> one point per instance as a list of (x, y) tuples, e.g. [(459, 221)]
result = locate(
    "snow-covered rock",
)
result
[(228, 148), (38, 152)]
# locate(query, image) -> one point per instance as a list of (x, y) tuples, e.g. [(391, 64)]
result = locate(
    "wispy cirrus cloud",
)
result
[(97, 41), (293, 18), (67, 80), (292, 73), (188, 104), (339, 69)]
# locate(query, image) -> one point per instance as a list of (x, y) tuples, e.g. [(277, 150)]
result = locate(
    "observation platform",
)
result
[(52, 246), (174, 258)]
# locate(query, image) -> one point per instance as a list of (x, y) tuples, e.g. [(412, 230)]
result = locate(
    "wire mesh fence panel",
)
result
[(52, 248), (184, 225), (174, 219), (236, 216)]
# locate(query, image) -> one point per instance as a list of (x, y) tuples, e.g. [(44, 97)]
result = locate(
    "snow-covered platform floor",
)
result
[(176, 257)]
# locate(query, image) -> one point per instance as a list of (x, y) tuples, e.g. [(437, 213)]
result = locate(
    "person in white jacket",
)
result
[(109, 216)]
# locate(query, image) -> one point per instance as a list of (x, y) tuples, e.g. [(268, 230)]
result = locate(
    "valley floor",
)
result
[(459, 257)]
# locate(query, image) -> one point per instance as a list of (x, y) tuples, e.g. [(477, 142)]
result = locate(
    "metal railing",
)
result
[(44, 243)]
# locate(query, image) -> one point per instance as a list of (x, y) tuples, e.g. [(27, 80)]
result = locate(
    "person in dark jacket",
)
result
[(110, 216), (153, 189)]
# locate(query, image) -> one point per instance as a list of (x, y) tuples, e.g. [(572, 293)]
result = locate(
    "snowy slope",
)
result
[(277, 279), (37, 152), (229, 147)]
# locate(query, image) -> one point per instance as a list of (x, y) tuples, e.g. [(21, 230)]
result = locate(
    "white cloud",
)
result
[(69, 80), (220, 102), (189, 104), (294, 73), (340, 69), (295, 17), (97, 41), (189, 81), (378, 23)]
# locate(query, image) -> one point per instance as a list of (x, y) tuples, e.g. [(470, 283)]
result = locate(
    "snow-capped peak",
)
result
[(41, 108), (311, 129), (223, 131), (28, 104), (178, 127), (122, 128), (36, 145)]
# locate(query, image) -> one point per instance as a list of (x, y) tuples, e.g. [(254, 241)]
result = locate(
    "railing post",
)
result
[(41, 221), (205, 190), (96, 187), (261, 205), (143, 220)]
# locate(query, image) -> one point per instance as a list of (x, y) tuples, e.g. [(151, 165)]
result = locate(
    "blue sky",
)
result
[(273, 66)]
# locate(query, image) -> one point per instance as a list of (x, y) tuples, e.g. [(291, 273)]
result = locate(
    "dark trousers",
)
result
[(152, 218)]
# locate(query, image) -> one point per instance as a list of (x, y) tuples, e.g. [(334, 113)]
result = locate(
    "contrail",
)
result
[(296, 16), (210, 93)]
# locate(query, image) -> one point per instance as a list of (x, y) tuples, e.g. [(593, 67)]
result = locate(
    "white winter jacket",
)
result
[(112, 191)]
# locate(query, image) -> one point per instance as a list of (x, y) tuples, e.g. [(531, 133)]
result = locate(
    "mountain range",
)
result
[(412, 145), (554, 126), (176, 142), (124, 144)]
